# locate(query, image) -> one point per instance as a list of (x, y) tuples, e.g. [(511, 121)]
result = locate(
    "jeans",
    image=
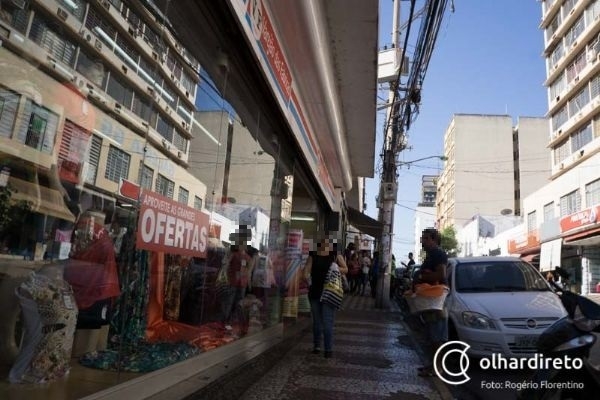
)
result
[(323, 316)]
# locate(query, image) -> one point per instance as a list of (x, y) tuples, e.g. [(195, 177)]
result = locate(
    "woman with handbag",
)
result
[(323, 269)]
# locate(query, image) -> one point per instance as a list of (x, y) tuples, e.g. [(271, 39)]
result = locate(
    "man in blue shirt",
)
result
[(433, 271)]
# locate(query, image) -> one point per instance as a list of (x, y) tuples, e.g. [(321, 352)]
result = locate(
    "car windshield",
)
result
[(504, 276)]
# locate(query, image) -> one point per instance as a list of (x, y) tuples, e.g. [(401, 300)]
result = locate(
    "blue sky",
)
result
[(487, 60)]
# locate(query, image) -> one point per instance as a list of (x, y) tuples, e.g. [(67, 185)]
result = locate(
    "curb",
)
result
[(437, 382)]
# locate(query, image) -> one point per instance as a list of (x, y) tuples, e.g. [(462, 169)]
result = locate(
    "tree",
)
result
[(449, 242)]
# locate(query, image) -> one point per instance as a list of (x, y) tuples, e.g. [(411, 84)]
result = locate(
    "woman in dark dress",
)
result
[(323, 314)]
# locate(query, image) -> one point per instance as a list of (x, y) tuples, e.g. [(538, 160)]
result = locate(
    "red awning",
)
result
[(581, 235)]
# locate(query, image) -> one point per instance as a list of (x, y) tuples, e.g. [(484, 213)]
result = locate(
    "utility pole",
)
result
[(389, 185)]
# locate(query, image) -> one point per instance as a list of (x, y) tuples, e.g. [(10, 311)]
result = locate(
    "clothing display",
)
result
[(49, 318)]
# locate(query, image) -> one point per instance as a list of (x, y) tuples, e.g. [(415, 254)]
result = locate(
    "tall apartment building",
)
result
[(562, 217), (425, 216), (490, 166)]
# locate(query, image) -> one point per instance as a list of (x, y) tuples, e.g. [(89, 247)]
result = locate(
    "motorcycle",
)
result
[(571, 337)]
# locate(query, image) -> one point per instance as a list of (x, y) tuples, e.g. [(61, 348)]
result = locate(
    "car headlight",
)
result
[(477, 321)]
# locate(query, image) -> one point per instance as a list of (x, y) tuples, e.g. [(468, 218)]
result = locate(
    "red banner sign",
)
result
[(270, 44), (524, 242), (171, 227), (579, 219)]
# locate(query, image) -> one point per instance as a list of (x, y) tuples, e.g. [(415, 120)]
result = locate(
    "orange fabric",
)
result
[(160, 330), (427, 290)]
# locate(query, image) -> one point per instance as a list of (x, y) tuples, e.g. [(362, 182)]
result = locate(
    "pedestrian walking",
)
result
[(323, 314)]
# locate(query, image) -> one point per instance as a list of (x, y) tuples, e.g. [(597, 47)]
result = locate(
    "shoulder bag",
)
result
[(333, 292)]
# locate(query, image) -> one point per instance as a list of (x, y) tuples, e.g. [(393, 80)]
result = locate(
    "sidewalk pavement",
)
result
[(374, 357)]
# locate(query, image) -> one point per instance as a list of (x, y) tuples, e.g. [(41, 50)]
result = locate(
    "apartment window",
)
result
[(567, 7), (95, 19), (38, 127), (73, 147), (146, 177), (557, 87), (151, 69), (549, 211), (174, 66), (119, 91), (116, 3), (592, 12), (9, 101), (93, 160), (188, 83), (556, 54), (184, 195), (165, 186), (49, 36), (570, 203), (15, 16), (595, 86), (153, 39), (596, 127), (576, 66), (78, 11), (117, 164), (579, 101), (553, 26), (127, 49), (581, 138), (197, 203), (575, 31), (562, 151), (172, 103), (531, 222), (559, 118), (184, 112), (592, 193), (180, 142), (165, 128), (92, 69), (142, 107)]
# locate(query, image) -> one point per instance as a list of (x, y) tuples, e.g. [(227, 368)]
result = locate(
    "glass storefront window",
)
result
[(158, 238)]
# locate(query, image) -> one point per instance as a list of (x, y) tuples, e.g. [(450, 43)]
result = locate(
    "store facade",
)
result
[(164, 173)]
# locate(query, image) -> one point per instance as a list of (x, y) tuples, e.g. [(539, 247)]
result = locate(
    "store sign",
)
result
[(265, 34), (524, 242), (579, 219), (129, 189), (171, 227)]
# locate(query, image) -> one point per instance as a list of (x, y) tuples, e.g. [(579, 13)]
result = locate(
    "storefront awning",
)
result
[(43, 199), (550, 255), (588, 237), (364, 223)]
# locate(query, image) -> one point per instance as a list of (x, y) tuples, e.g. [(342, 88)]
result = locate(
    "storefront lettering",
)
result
[(580, 218), (171, 227)]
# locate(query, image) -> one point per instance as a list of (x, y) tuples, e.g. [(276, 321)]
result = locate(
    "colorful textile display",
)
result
[(49, 317)]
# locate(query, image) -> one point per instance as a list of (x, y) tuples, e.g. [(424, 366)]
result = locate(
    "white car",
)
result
[(499, 305)]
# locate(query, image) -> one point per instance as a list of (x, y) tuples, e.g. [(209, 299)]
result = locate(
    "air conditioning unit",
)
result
[(87, 35), (561, 166), (92, 94), (179, 154), (574, 44)]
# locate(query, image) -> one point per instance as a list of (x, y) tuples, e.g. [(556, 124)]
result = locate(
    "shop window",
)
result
[(165, 186), (117, 164), (184, 195), (592, 193), (570, 203), (146, 177), (9, 101)]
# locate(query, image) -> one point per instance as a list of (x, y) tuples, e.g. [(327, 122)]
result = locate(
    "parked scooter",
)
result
[(571, 336)]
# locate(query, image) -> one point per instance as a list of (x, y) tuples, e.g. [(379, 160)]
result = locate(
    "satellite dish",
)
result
[(506, 211)]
